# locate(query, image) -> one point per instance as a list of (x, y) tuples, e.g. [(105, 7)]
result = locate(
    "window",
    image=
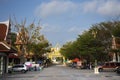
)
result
[(112, 64), (18, 66), (107, 64), (118, 64)]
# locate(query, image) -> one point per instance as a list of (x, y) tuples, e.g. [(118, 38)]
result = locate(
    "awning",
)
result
[(4, 32), (5, 48), (13, 55), (4, 27), (76, 60)]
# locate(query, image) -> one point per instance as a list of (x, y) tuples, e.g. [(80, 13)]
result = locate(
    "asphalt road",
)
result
[(60, 72)]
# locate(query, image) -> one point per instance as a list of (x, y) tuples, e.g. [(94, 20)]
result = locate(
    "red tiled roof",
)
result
[(4, 27), (4, 46), (13, 55)]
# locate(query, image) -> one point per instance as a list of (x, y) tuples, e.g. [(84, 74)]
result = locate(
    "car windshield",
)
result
[(106, 64), (16, 66), (118, 64)]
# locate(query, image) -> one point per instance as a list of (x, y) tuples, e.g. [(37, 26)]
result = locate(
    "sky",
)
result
[(61, 20)]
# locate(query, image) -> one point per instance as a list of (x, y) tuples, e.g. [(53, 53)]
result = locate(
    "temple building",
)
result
[(116, 49), (55, 55), (5, 46)]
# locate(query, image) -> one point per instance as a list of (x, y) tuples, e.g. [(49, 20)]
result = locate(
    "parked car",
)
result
[(29, 65), (18, 68), (109, 66), (118, 70)]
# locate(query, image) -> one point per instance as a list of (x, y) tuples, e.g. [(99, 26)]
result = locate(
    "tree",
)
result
[(22, 39), (106, 32), (13, 38), (38, 44), (91, 47), (39, 49), (30, 40), (66, 50)]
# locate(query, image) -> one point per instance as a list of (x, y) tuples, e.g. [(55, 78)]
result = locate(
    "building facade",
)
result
[(5, 46), (55, 55)]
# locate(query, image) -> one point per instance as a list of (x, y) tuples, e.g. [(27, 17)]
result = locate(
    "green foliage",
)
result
[(13, 38), (93, 46), (116, 30), (37, 42), (32, 40), (69, 50)]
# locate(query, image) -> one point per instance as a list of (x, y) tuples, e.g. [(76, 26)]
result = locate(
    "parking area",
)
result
[(60, 72)]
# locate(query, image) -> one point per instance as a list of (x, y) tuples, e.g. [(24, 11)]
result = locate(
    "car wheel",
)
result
[(100, 69), (118, 70), (10, 72), (23, 71)]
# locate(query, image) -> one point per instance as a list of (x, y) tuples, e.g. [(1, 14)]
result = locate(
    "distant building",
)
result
[(55, 55), (116, 49)]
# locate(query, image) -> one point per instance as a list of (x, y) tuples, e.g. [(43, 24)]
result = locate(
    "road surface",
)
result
[(59, 72)]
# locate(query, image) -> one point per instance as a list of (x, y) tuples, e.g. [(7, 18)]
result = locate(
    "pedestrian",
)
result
[(35, 68)]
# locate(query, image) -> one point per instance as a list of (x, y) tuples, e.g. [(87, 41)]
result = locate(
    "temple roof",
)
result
[(4, 27), (4, 46)]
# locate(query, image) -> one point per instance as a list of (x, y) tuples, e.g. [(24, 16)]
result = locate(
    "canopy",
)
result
[(13, 55), (76, 60)]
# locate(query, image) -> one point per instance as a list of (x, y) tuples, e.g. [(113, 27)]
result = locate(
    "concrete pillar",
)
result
[(114, 57), (7, 64)]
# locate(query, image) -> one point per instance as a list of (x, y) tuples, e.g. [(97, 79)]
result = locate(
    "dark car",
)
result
[(18, 68), (109, 66), (118, 70)]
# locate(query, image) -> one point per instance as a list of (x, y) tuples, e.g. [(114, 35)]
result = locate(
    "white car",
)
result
[(18, 68), (29, 65)]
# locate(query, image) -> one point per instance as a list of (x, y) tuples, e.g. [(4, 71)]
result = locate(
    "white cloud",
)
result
[(102, 7), (50, 28), (55, 7), (77, 30), (111, 7), (89, 6), (73, 29), (58, 7)]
